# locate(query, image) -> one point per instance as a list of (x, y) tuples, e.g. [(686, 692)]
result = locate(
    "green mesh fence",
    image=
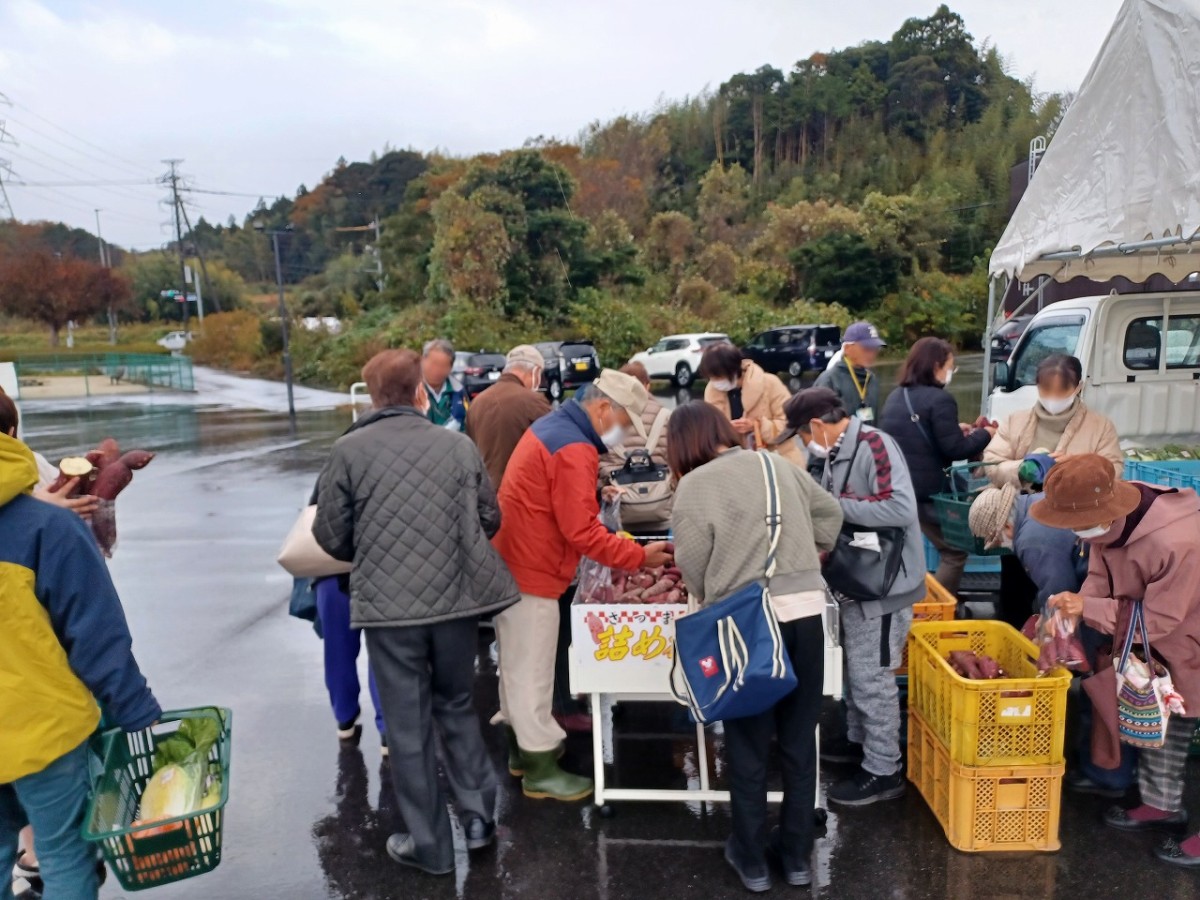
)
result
[(155, 372)]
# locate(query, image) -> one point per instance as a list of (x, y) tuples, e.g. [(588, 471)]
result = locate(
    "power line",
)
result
[(196, 190), (73, 150), (116, 192), (61, 184), (136, 166)]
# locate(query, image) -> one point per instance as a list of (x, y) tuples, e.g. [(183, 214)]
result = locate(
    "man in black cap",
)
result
[(868, 476)]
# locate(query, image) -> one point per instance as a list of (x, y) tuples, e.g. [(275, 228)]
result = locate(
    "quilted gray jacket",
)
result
[(412, 506)]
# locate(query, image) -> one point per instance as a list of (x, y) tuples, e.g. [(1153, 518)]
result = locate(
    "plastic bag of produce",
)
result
[(104, 526), (1059, 644), (595, 579)]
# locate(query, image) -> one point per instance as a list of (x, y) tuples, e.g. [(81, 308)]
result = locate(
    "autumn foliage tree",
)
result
[(54, 290)]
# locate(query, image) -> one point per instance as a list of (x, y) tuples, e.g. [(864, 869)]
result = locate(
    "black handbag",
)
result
[(859, 572)]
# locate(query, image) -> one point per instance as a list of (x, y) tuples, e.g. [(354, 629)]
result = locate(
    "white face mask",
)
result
[(723, 384), (1057, 405), (949, 377), (1089, 534), (817, 450), (614, 437)]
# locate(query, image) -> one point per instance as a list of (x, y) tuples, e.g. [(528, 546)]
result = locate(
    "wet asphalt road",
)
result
[(199, 530)]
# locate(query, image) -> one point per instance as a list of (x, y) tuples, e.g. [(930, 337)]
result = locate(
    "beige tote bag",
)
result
[(302, 556)]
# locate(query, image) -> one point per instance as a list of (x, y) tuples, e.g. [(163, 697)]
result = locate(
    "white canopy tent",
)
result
[(1118, 190)]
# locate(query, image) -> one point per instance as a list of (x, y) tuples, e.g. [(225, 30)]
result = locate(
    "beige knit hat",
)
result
[(989, 513)]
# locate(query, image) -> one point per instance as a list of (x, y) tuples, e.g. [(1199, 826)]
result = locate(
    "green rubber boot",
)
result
[(544, 780), (516, 762)]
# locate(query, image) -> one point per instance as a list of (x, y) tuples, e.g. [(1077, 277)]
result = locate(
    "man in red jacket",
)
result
[(549, 521)]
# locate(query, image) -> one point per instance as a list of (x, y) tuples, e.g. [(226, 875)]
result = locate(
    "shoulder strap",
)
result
[(916, 420), (656, 430), (774, 517)]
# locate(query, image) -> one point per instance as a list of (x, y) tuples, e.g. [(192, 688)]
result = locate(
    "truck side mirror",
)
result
[(1000, 375)]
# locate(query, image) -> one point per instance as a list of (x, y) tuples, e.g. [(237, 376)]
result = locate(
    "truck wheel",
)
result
[(795, 369), (683, 375)]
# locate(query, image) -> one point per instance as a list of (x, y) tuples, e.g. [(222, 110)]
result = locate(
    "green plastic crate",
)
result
[(168, 850)]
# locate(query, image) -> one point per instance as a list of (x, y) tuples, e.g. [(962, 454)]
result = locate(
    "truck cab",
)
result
[(1140, 356)]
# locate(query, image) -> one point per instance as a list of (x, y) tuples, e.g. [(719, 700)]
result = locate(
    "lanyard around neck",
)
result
[(861, 388)]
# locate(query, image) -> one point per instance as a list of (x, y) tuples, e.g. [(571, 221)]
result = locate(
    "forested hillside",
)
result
[(868, 181)]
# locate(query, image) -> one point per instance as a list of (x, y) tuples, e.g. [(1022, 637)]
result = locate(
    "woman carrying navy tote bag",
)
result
[(760, 603)]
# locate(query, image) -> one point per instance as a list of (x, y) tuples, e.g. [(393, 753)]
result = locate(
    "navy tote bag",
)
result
[(730, 661)]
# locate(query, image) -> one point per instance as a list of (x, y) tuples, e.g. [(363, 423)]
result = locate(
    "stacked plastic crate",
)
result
[(987, 755)]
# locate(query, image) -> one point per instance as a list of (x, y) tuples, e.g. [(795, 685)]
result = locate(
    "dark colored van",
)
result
[(794, 349)]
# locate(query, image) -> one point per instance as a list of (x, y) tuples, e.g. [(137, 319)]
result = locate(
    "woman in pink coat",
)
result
[(1145, 546)]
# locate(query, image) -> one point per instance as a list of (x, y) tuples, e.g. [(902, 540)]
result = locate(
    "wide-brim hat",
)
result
[(1083, 491)]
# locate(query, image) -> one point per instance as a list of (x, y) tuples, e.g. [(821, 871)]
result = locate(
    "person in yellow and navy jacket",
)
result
[(65, 652)]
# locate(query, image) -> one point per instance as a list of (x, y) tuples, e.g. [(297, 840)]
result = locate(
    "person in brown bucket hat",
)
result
[(1145, 547), (1082, 493)]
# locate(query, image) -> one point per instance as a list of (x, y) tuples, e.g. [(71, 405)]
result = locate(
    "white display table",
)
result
[(622, 653)]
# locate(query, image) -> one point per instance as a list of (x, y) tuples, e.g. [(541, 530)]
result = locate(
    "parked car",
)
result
[(569, 365), (174, 340), (794, 349), (677, 356), (477, 372), (1007, 335)]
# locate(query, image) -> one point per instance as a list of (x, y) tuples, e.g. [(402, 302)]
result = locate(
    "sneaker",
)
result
[(349, 732), (796, 874), (25, 870), (383, 750), (756, 879), (841, 750), (866, 788)]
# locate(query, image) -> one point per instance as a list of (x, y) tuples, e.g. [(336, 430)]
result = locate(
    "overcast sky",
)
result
[(259, 96)]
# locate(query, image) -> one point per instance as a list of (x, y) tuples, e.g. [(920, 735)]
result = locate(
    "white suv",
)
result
[(677, 356)]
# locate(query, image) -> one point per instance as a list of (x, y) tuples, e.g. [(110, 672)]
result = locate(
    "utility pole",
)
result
[(283, 328), (216, 300), (172, 178), (105, 263), (378, 257)]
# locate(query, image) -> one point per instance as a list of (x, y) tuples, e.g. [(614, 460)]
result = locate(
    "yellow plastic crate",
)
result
[(985, 808), (1015, 721), (939, 605)]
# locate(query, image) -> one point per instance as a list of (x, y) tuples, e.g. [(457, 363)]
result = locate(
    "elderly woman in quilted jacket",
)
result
[(411, 505)]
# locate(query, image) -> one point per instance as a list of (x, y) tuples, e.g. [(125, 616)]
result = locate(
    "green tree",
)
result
[(723, 203)]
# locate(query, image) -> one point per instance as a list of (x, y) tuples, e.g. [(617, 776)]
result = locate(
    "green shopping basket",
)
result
[(168, 850), (953, 508)]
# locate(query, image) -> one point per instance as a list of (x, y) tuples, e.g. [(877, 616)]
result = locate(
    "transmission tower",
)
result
[(6, 210)]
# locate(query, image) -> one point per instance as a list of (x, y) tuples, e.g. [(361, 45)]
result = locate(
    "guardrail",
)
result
[(155, 372)]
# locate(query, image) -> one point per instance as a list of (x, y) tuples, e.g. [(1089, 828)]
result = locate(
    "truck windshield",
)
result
[(1058, 335)]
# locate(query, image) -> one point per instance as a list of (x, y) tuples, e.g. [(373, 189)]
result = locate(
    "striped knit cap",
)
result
[(990, 512)]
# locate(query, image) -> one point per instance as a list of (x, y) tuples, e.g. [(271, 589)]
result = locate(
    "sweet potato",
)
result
[(675, 595), (673, 570), (659, 587), (136, 459), (113, 479), (632, 596), (989, 667), (73, 467), (109, 452), (966, 662)]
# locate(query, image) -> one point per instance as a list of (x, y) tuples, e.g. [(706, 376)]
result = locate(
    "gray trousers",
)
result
[(871, 648), (1161, 772), (425, 675)]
